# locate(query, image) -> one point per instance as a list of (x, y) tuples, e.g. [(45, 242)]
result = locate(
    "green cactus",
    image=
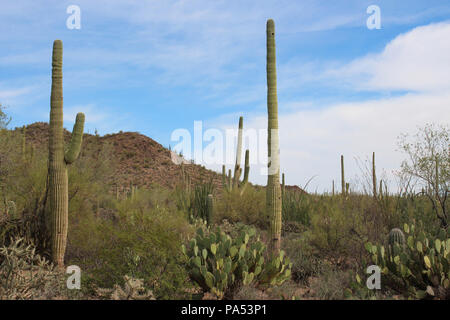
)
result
[(219, 263), (420, 268), (233, 183), (273, 199), (247, 167), (237, 167), (59, 160), (396, 236), (342, 175)]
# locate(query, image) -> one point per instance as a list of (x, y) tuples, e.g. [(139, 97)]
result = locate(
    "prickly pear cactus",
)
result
[(219, 264), (415, 264)]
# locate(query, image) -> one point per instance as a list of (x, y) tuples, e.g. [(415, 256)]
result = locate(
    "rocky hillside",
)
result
[(140, 160)]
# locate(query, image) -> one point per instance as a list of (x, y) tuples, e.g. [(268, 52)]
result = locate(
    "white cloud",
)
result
[(312, 138), (415, 61)]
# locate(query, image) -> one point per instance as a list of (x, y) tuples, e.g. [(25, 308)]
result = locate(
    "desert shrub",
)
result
[(296, 207), (305, 263), (142, 241), (250, 208), (331, 285), (220, 264)]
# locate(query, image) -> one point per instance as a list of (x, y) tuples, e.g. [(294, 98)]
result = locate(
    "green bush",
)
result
[(250, 208), (141, 240)]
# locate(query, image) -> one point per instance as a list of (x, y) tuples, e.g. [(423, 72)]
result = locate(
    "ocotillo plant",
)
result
[(59, 160), (283, 186), (374, 177), (237, 167), (342, 175), (273, 199), (332, 188)]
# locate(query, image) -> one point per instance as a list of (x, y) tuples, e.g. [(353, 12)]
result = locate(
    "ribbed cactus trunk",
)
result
[(342, 175), (273, 198), (247, 167), (58, 160), (374, 177)]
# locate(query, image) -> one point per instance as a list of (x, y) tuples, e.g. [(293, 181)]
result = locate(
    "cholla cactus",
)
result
[(133, 289)]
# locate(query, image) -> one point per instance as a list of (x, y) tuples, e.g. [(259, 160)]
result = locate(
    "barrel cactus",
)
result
[(59, 159), (396, 236)]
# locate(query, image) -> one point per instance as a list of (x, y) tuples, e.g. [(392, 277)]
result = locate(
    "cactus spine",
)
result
[(58, 160), (342, 175), (273, 199), (374, 177)]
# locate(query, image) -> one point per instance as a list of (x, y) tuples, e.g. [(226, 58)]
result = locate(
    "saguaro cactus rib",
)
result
[(273, 199), (58, 160)]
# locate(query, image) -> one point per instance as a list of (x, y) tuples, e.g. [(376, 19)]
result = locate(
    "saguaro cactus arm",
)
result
[(247, 166), (76, 140)]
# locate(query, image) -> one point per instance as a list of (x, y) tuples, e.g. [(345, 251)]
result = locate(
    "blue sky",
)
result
[(155, 66)]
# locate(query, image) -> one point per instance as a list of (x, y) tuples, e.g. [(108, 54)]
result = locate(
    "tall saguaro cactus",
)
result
[(273, 199), (237, 167), (342, 175), (58, 159)]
